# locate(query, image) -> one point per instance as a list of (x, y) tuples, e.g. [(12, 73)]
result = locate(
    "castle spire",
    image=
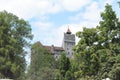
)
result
[(68, 31)]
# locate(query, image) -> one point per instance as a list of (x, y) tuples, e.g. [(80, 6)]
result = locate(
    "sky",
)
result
[(49, 19)]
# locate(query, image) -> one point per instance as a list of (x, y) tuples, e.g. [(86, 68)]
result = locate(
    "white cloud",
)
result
[(90, 16), (74, 5), (53, 35), (55, 8), (42, 25), (48, 32), (41, 30), (92, 12), (29, 8), (33, 8)]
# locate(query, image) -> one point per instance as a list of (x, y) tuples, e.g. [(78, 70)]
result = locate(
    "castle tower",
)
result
[(68, 43)]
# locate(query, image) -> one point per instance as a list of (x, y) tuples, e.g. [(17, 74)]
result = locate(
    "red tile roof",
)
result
[(53, 48), (68, 31)]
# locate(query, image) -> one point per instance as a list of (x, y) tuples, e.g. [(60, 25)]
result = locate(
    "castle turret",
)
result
[(68, 43), (68, 31)]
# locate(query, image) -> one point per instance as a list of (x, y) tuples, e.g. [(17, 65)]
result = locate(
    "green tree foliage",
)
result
[(68, 75), (64, 64), (14, 36), (85, 51), (73, 69), (97, 52), (109, 37), (42, 63)]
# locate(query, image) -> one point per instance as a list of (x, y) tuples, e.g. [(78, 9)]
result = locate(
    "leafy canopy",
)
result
[(14, 36)]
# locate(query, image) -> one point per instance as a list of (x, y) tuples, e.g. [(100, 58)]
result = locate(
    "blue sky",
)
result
[(49, 19)]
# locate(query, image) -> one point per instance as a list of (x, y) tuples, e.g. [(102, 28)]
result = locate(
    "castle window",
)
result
[(56, 57), (72, 53), (68, 53), (72, 44)]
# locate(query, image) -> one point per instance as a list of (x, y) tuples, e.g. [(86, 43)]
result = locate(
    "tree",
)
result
[(86, 55), (109, 37), (68, 75), (14, 36), (98, 50), (42, 63), (73, 69), (64, 64), (119, 3)]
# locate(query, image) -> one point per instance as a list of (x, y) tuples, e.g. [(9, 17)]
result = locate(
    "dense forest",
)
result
[(96, 55)]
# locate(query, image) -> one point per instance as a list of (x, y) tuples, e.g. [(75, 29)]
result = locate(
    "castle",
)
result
[(67, 45)]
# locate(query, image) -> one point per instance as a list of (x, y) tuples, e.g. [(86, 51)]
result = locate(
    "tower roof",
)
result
[(68, 31)]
